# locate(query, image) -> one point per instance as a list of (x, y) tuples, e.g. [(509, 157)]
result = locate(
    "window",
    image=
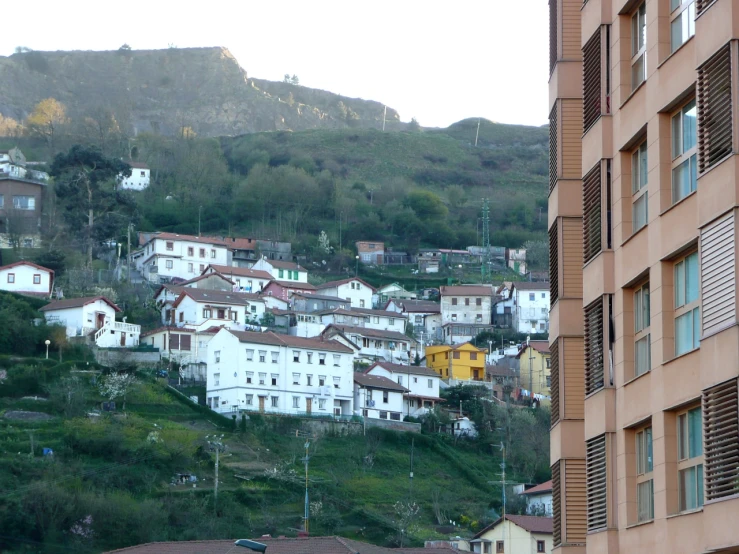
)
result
[(400, 379), (11, 277), (455, 355), (275, 401), (684, 165), (280, 274), (430, 383), (454, 301), (644, 482), (478, 318), (321, 403), (337, 382), (376, 319), (309, 380), (532, 296), (262, 356), (499, 547), (687, 308), (275, 357), (202, 252), (642, 347), (540, 546), (296, 356), (190, 251), (2, 201), (478, 302), (454, 317), (682, 27), (207, 313), (168, 264), (182, 317), (391, 321), (190, 268), (639, 200), (473, 355), (262, 378), (37, 279), (249, 377), (395, 416), (250, 355), (322, 359), (383, 415), (170, 245), (274, 379), (296, 378), (202, 268), (212, 253), (217, 355), (337, 359), (310, 357), (296, 402), (249, 399), (690, 459), (321, 380), (639, 46), (216, 379), (466, 301), (385, 396)]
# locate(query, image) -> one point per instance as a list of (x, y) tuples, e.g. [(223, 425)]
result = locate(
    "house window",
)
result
[(296, 378), (310, 357), (168, 264), (376, 319), (337, 382), (473, 355), (275, 401), (253, 308), (207, 313), (249, 399), (11, 277), (690, 459), (687, 305), (466, 301), (190, 251), (217, 355), (249, 355), (182, 317), (400, 379), (212, 253), (391, 321), (644, 482), (37, 279), (216, 379), (395, 416), (262, 356), (478, 302), (275, 357), (455, 355), (384, 397), (454, 301), (280, 273), (639, 46), (337, 359), (540, 546), (642, 347), (682, 26), (262, 378), (249, 377), (322, 359), (274, 379), (430, 383), (296, 402), (639, 199), (365, 342), (170, 245), (532, 296), (202, 268), (684, 164), (383, 415), (361, 303), (309, 380), (499, 547), (296, 356), (321, 380), (190, 268), (321, 403)]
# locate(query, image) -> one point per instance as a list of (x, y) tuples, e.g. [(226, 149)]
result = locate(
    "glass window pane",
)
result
[(648, 440), (679, 284), (691, 20), (642, 25), (674, 4), (637, 72), (640, 453), (695, 432), (687, 489), (635, 185), (637, 312), (696, 328), (689, 130), (682, 437), (684, 334), (634, 33), (639, 213), (642, 358), (645, 306), (643, 170), (676, 34), (681, 177), (699, 483), (693, 173), (677, 142), (691, 278)]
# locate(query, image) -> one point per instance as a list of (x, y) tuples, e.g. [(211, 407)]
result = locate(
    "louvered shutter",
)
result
[(553, 37), (720, 431), (591, 220), (591, 78), (556, 504), (594, 347), (597, 486), (553, 145), (575, 501), (717, 275), (554, 377), (554, 262), (714, 109), (702, 5)]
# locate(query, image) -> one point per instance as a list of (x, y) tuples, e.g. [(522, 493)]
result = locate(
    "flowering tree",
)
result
[(406, 514), (116, 385), (323, 243)]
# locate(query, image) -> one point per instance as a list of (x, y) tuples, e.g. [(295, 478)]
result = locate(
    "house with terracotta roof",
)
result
[(470, 305), (515, 534), (422, 385), (164, 256), (356, 291), (283, 270), (284, 289), (200, 309), (92, 317), (187, 349), (245, 279), (531, 306), (283, 374), (27, 278), (425, 315), (374, 344), (538, 498), (378, 397), (535, 367), (460, 363), (139, 179)]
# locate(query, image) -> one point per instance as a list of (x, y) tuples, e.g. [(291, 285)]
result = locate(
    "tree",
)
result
[(414, 126), (427, 205), (47, 118), (86, 186), (323, 243), (116, 385), (124, 48), (537, 253)]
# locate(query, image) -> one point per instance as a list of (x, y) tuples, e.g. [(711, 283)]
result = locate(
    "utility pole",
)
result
[(486, 260), (410, 496), (477, 134), (306, 516), (200, 209), (531, 367), (128, 254), (384, 116), (216, 443)]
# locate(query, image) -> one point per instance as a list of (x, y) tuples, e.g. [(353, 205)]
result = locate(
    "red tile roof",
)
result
[(24, 262), (291, 285), (405, 369), (540, 346), (538, 489), (532, 524), (229, 271), (145, 238), (282, 264), (467, 290), (216, 297), (77, 303), (291, 341)]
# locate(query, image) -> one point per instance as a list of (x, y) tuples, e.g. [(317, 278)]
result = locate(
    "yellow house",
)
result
[(515, 535), (535, 367), (464, 362)]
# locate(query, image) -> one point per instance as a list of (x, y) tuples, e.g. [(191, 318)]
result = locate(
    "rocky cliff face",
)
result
[(163, 90)]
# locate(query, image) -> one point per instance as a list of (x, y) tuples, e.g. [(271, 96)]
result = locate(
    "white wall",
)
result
[(418, 385), (138, 180), (356, 292), (192, 314), (363, 398), (81, 320), (23, 279), (373, 348), (308, 325), (528, 310), (233, 369), (287, 275), (186, 263), (466, 313)]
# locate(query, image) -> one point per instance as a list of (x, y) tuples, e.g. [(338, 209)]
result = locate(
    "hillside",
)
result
[(162, 91)]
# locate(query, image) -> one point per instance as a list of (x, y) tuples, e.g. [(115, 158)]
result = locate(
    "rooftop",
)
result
[(377, 382), (24, 262), (229, 271), (467, 290), (217, 296), (367, 332), (290, 341), (282, 264), (540, 346), (405, 369), (532, 285), (331, 284), (532, 524), (77, 303), (543, 488), (418, 306), (145, 238)]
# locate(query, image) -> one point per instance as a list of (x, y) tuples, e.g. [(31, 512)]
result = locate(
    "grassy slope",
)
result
[(112, 456)]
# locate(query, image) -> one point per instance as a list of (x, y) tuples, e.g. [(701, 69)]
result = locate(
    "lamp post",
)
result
[(47, 342), (356, 266)]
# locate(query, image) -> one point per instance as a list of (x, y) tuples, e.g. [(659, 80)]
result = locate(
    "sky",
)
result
[(439, 61)]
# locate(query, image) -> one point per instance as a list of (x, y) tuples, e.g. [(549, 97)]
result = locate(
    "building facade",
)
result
[(138, 180), (515, 535), (355, 290), (463, 362), (27, 278), (534, 364), (531, 307), (166, 256), (422, 385), (642, 229), (21, 206), (470, 304)]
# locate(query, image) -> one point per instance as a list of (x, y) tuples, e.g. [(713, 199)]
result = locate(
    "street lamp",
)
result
[(356, 266), (47, 342)]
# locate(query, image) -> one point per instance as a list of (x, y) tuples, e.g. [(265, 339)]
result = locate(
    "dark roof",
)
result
[(500, 371), (292, 285), (377, 382), (539, 489), (407, 369), (541, 346), (145, 238), (77, 303), (7, 177), (418, 306), (383, 313), (290, 341), (331, 284), (532, 524), (321, 297), (240, 272), (204, 276), (467, 290), (367, 332), (531, 285), (217, 296), (282, 545), (181, 330)]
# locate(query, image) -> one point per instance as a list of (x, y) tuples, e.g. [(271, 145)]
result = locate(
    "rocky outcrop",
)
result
[(164, 90)]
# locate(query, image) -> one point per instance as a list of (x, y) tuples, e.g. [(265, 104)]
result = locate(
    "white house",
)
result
[(422, 384), (201, 309), (374, 344), (282, 270), (463, 427), (469, 304), (355, 290), (538, 498), (393, 290), (425, 316), (244, 279), (184, 347), (515, 534), (92, 317), (378, 397), (266, 372), (14, 164), (531, 304), (139, 179), (27, 278), (165, 256)]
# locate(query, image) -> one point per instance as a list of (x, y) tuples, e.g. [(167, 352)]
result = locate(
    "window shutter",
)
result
[(702, 5), (591, 71), (575, 502), (720, 430), (591, 220), (185, 342), (556, 504), (596, 483), (714, 109), (554, 391), (174, 341), (554, 263), (718, 274), (594, 346), (553, 37), (553, 148)]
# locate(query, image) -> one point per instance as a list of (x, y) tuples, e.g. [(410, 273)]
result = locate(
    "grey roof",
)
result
[(377, 382)]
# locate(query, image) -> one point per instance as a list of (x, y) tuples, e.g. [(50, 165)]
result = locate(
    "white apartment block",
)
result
[(165, 256), (531, 307), (470, 304), (378, 397), (374, 344), (273, 373), (183, 347), (354, 290), (422, 384)]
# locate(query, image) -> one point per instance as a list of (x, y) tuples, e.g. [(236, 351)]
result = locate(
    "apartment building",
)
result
[(644, 136), (165, 256)]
